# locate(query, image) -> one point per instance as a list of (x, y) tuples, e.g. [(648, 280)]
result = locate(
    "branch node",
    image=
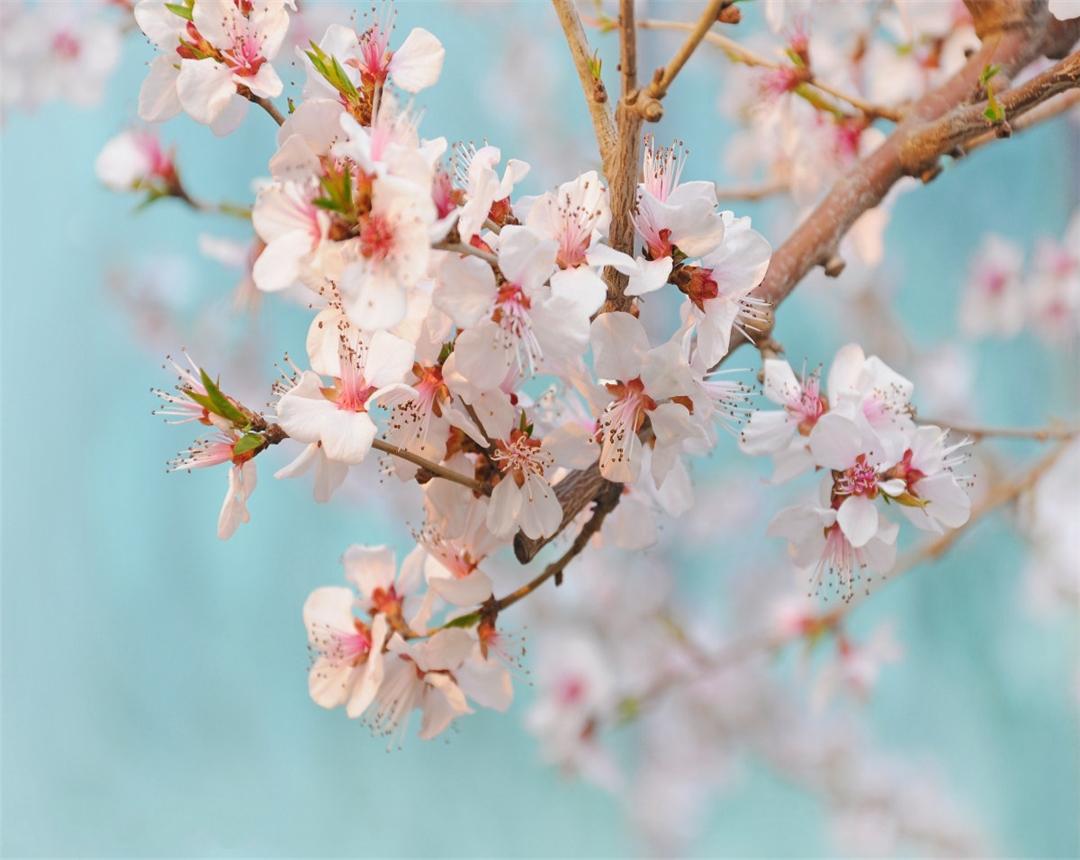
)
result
[(930, 173), (651, 110), (730, 14), (834, 265)]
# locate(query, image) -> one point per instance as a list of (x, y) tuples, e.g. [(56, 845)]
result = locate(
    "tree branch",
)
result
[(751, 193), (432, 467), (595, 95), (920, 150), (1048, 110), (739, 54), (605, 504), (264, 103), (649, 103), (1037, 434), (816, 239), (622, 169), (275, 435), (627, 48)]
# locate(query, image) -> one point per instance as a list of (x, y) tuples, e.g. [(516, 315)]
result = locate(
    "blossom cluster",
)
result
[(468, 333), (1001, 298), (859, 432), (58, 51)]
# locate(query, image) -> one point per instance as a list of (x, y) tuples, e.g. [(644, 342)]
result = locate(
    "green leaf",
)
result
[(221, 404), (181, 9), (595, 65), (470, 620), (248, 442), (333, 72), (989, 73), (201, 399)]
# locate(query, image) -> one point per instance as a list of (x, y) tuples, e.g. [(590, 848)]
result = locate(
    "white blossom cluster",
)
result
[(1002, 298), (467, 331), (859, 432), (498, 350)]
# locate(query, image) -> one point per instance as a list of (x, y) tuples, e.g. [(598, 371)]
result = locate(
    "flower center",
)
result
[(809, 406), (860, 480), (66, 45), (376, 237), (576, 234), (245, 59), (386, 601), (662, 169), (347, 647), (520, 456), (374, 60)]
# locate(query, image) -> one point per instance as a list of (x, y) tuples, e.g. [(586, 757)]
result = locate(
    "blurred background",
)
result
[(154, 677)]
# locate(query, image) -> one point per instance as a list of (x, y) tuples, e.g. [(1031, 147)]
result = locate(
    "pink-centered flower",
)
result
[(337, 416), (512, 328)]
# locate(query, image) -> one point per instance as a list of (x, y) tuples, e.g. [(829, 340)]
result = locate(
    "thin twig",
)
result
[(432, 467), (275, 434), (664, 77), (1038, 434), (264, 103), (739, 54), (751, 193), (627, 48), (605, 503), (593, 87), (1046, 111), (471, 250), (234, 210)]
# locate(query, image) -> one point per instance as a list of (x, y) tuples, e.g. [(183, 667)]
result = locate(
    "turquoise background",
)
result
[(154, 694)]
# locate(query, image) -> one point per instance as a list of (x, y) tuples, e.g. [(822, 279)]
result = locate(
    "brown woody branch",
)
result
[(264, 103), (648, 103), (596, 97), (816, 240), (921, 150), (605, 504), (1035, 434), (1048, 110)]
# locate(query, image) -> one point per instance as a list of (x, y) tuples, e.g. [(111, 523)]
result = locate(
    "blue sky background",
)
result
[(154, 693)]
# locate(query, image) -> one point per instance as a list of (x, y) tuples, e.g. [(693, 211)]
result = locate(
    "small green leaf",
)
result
[(201, 399), (221, 404), (595, 65), (184, 10), (248, 442), (470, 620), (989, 73)]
